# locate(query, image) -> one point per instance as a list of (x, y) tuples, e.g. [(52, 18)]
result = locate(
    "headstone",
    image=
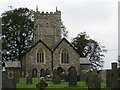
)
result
[(6, 83), (17, 76), (118, 83), (64, 76), (59, 70), (72, 77), (55, 72), (114, 75), (119, 72), (56, 79), (93, 80), (47, 72), (108, 78), (42, 73), (29, 79), (83, 76)]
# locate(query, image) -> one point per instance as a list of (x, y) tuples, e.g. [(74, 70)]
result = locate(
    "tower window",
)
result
[(40, 56), (64, 56)]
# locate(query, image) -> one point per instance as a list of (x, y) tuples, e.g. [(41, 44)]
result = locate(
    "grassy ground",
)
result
[(23, 84)]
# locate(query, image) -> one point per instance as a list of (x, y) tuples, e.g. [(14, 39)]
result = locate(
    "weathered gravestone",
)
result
[(6, 83), (72, 77), (83, 76), (17, 76), (64, 76), (108, 78), (114, 75), (47, 72), (56, 79), (55, 72), (118, 83), (29, 79), (59, 70), (93, 80)]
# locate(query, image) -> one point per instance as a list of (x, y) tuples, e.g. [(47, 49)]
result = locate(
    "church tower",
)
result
[(47, 27)]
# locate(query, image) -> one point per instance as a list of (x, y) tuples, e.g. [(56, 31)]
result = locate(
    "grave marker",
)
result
[(72, 77), (114, 75)]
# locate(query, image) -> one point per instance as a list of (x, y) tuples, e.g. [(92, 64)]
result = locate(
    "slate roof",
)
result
[(52, 49), (64, 39), (12, 64), (36, 44), (84, 61)]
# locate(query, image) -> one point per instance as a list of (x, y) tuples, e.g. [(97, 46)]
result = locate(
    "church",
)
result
[(49, 50)]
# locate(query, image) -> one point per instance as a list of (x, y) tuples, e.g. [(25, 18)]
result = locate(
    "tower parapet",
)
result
[(47, 27)]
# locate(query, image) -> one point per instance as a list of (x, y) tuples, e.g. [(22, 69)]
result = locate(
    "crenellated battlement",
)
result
[(47, 27), (49, 13)]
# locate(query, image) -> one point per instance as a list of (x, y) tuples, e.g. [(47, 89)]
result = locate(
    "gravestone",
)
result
[(93, 80), (114, 75), (56, 79), (64, 76), (42, 73), (108, 78), (47, 72), (118, 83), (83, 76), (6, 83), (59, 70), (29, 79), (72, 77), (55, 72), (17, 76)]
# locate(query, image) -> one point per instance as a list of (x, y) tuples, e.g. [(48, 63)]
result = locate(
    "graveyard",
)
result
[(52, 85), (52, 62), (58, 80)]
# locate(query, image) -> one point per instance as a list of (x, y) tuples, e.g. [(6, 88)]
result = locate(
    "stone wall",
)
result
[(31, 59), (47, 27), (73, 57)]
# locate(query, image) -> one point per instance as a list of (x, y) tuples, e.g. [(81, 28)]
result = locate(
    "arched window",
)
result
[(64, 56), (40, 56)]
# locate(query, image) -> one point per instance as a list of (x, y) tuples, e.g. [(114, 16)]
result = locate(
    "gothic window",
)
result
[(40, 56), (64, 56)]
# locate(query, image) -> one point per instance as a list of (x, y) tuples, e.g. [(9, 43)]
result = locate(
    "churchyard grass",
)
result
[(23, 84)]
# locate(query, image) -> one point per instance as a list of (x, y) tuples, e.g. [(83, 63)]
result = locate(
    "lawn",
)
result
[(23, 84)]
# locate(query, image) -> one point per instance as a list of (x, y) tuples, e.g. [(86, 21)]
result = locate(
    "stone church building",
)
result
[(50, 51)]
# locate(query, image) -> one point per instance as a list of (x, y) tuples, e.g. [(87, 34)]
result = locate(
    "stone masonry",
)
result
[(47, 36)]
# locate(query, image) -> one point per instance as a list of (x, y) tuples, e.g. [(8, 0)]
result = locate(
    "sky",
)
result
[(98, 18)]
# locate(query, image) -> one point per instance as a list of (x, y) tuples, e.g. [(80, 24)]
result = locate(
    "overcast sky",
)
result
[(99, 18)]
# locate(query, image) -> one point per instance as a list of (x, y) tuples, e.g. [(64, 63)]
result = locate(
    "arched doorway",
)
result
[(60, 70), (71, 68), (42, 73), (34, 72)]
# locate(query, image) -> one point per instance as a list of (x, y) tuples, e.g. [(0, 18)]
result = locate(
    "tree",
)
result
[(64, 32), (90, 49), (17, 26)]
